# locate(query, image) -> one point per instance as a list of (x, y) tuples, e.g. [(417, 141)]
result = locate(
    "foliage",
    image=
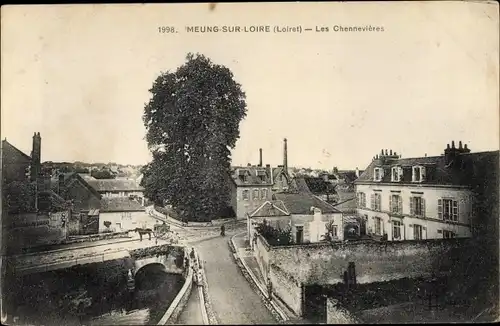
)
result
[(275, 236), (329, 235), (192, 123), (19, 197)]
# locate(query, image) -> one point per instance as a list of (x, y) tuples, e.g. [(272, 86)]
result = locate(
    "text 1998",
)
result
[(166, 29)]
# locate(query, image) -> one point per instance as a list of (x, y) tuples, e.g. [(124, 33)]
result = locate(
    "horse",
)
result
[(142, 231)]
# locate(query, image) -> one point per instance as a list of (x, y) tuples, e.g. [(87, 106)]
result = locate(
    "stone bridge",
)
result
[(171, 258)]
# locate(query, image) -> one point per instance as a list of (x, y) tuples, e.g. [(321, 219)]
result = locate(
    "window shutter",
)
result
[(390, 203), (411, 205), (455, 210), (372, 198), (422, 204), (400, 173), (422, 173), (400, 204), (413, 174), (381, 173), (440, 209)]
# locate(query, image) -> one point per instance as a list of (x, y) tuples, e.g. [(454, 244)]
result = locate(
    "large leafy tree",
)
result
[(192, 123)]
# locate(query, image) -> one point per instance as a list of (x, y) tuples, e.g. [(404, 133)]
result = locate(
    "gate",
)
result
[(314, 308)]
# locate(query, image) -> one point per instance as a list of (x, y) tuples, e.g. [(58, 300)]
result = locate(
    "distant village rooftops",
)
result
[(113, 185)]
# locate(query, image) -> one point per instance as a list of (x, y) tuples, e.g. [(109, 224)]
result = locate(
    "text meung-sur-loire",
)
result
[(241, 29)]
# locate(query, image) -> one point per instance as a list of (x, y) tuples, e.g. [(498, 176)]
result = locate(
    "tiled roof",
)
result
[(253, 173), (271, 208), (317, 185), (120, 204), (301, 203), (299, 183), (104, 185), (69, 178), (459, 173), (346, 204)]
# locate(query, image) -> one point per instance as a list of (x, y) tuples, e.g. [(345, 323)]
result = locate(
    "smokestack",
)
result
[(285, 156), (36, 157), (260, 157)]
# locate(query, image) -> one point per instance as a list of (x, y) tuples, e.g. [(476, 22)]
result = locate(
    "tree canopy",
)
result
[(192, 122)]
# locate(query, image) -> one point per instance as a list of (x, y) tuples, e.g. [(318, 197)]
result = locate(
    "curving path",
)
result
[(232, 298)]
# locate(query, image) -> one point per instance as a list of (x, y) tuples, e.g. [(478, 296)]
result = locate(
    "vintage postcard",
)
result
[(250, 163)]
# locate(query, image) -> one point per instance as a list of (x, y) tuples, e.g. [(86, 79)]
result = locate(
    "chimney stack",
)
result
[(36, 157), (60, 185), (285, 156), (390, 153), (260, 157)]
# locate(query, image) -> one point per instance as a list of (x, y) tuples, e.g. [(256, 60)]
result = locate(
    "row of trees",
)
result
[(192, 122)]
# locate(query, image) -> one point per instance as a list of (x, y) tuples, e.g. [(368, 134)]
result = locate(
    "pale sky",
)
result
[(80, 74)]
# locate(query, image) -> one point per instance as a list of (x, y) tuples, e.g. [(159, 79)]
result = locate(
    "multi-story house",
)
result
[(253, 185), (250, 188), (420, 198)]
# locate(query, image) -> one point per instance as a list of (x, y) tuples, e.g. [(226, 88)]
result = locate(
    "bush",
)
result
[(275, 236)]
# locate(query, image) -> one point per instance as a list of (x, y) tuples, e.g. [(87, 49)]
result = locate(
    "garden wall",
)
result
[(287, 288), (374, 261)]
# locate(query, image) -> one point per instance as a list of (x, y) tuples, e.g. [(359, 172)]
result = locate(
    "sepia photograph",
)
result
[(250, 163)]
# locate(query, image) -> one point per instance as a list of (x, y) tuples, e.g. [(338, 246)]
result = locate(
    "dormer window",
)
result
[(418, 174), (246, 178), (397, 173), (378, 174)]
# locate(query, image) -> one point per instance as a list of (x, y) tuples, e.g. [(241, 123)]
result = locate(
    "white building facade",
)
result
[(418, 198)]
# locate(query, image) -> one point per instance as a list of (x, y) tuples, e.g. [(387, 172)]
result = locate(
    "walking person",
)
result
[(269, 288), (222, 230)]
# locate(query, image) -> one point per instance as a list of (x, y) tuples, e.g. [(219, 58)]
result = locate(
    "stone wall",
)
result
[(287, 288), (374, 261), (336, 314)]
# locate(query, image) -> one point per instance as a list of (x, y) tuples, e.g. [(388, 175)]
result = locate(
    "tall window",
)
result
[(448, 234), (378, 225), (378, 174), (417, 232), (245, 194), (397, 173), (448, 209), (255, 194), (417, 206), (396, 204), (376, 200), (263, 194), (361, 199), (418, 174), (396, 230), (246, 178)]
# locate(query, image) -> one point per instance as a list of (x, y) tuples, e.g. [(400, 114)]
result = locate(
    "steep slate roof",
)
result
[(301, 203), (69, 178), (6, 144), (104, 185), (459, 173), (237, 173), (120, 204), (299, 184), (317, 185), (271, 208)]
